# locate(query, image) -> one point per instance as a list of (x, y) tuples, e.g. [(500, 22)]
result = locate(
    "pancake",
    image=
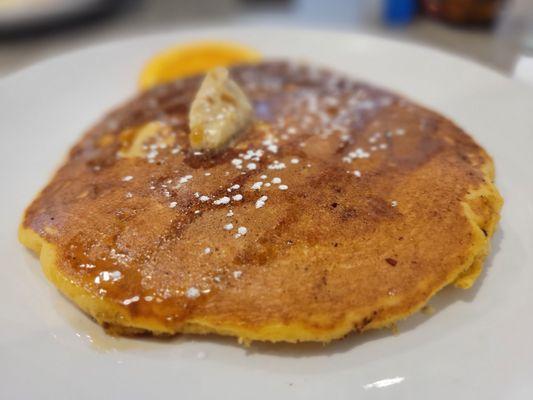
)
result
[(342, 208)]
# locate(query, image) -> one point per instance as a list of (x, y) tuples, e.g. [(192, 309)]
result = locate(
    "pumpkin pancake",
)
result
[(341, 208)]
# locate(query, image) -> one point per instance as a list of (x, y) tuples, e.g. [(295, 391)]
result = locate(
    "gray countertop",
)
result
[(498, 47)]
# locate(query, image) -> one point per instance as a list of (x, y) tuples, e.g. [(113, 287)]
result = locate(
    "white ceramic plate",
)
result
[(478, 345)]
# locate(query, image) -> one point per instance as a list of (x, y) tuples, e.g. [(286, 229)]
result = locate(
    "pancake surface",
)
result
[(343, 208)]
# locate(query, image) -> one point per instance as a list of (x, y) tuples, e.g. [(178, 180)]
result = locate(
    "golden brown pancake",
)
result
[(343, 208)]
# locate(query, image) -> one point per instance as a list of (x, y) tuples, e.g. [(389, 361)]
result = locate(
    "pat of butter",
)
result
[(134, 141), (219, 112)]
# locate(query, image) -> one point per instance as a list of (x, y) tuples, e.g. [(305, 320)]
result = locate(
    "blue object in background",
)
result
[(399, 12)]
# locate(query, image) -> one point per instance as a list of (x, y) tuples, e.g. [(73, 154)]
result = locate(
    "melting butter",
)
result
[(219, 112), (135, 141)]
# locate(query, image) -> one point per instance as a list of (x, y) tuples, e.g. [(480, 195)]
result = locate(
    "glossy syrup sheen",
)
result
[(363, 219)]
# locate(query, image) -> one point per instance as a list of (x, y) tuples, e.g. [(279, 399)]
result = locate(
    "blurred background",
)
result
[(497, 33)]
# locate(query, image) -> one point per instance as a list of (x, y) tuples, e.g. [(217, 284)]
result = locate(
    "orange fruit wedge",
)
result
[(192, 59)]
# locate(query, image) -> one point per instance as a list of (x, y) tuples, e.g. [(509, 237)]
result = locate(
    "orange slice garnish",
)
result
[(192, 59)]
